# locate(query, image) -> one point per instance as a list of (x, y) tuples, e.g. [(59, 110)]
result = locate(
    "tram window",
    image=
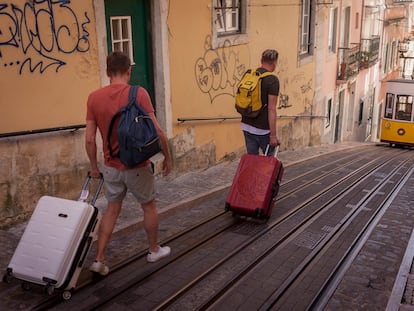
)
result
[(404, 107), (388, 106)]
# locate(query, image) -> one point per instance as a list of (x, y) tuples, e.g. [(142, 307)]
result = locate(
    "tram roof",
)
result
[(401, 81), (400, 86)]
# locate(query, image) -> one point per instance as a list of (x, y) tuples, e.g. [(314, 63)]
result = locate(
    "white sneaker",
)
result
[(162, 252), (99, 267)]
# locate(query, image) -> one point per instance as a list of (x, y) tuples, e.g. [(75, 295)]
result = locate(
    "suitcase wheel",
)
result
[(7, 277), (227, 207), (49, 289), (26, 285), (67, 294), (259, 212)]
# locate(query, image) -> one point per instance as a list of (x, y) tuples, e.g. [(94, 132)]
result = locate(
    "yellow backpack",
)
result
[(248, 96)]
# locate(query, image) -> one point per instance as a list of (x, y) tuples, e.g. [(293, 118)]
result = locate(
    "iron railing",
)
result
[(44, 130), (198, 119), (348, 61), (369, 52)]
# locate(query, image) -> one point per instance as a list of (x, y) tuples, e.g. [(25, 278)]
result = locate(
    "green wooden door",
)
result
[(128, 29)]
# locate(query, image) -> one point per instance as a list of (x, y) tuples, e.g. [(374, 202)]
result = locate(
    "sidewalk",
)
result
[(174, 192)]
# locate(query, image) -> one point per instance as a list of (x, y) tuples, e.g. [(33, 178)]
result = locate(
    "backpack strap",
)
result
[(261, 76), (132, 96), (265, 74), (245, 73)]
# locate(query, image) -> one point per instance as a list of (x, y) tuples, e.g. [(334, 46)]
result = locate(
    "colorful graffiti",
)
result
[(218, 71), (36, 35)]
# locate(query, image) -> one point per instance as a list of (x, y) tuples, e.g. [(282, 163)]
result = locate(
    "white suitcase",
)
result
[(56, 241)]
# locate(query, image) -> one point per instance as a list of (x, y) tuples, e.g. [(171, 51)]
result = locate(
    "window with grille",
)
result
[(121, 35), (361, 112), (227, 16), (328, 113), (385, 59), (392, 55), (333, 24), (229, 22), (305, 27)]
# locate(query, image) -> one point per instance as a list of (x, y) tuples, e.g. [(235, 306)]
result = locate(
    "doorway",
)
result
[(128, 26)]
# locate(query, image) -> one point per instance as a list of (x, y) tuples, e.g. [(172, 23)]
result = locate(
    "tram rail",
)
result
[(287, 237), (302, 198)]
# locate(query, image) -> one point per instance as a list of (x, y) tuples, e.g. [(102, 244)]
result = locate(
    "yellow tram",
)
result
[(397, 122)]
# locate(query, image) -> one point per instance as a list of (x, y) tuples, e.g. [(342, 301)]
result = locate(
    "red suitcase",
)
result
[(255, 186)]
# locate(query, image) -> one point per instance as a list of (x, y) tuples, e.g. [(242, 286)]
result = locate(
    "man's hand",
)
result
[(95, 173), (274, 141)]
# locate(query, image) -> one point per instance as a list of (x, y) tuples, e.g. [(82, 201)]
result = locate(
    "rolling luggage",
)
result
[(255, 186), (56, 241)]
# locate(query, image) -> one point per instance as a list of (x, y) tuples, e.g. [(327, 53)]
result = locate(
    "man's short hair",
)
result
[(269, 56), (117, 63)]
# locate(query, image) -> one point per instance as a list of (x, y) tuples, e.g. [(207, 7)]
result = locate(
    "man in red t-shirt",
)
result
[(101, 106)]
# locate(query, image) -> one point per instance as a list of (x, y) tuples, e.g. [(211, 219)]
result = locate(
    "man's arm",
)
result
[(90, 145), (272, 102)]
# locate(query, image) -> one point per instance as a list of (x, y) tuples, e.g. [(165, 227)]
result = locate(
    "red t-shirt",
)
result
[(103, 104)]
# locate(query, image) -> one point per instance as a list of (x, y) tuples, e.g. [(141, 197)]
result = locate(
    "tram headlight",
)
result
[(401, 131), (387, 125)]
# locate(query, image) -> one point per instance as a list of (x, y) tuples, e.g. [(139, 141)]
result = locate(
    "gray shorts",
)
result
[(139, 181)]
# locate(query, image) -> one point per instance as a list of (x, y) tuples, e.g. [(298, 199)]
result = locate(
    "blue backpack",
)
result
[(137, 136)]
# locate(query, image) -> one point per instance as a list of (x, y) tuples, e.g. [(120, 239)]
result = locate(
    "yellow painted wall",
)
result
[(48, 64), (203, 79), (275, 24)]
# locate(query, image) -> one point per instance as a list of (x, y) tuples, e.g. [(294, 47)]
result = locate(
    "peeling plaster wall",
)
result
[(39, 164)]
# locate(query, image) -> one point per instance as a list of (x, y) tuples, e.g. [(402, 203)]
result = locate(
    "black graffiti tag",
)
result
[(218, 70), (41, 33)]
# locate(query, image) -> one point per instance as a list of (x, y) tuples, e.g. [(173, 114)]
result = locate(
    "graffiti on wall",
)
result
[(218, 71), (303, 92), (299, 84), (37, 34)]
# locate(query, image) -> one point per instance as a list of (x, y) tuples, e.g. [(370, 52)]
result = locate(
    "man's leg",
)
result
[(156, 252), (141, 184), (264, 142), (106, 227), (151, 224), (252, 147)]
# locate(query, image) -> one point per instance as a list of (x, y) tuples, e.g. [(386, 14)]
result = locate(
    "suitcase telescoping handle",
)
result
[(84, 194), (275, 153)]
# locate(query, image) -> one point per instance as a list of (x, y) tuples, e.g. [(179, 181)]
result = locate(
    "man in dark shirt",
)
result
[(260, 132)]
